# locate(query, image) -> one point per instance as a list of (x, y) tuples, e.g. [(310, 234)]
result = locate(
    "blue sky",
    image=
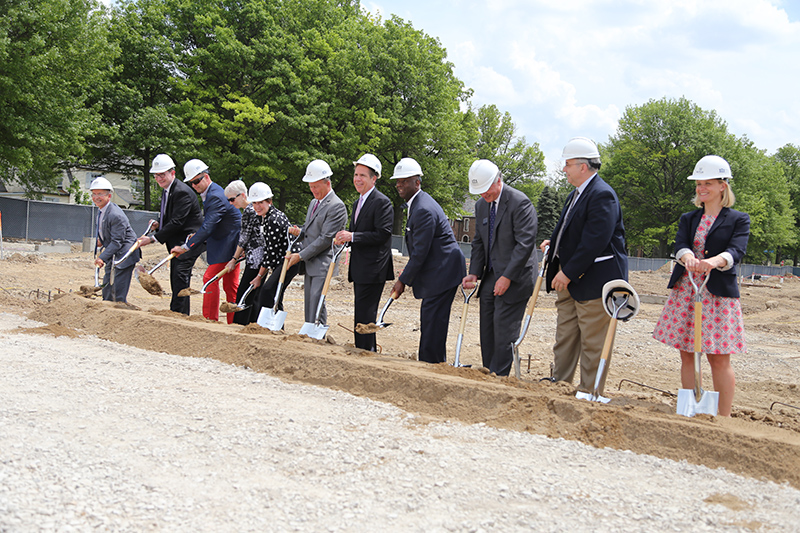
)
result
[(566, 68)]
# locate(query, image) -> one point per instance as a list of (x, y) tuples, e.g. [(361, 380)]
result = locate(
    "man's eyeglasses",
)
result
[(196, 180)]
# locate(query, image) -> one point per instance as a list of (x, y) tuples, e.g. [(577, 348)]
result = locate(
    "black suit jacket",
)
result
[(182, 216), (592, 231), (729, 233), (435, 262), (371, 247)]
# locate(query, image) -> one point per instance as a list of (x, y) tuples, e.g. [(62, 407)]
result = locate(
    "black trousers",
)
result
[(250, 314), (266, 296), (180, 277), (501, 317), (434, 318), (367, 299)]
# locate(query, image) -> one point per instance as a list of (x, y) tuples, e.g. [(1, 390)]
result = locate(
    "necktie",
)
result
[(99, 222), (358, 208), (316, 205), (564, 221), (492, 214), (163, 206)]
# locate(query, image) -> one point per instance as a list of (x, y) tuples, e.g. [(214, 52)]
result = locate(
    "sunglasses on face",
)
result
[(231, 200), (196, 181)]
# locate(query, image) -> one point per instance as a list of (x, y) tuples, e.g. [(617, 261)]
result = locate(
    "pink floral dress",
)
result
[(723, 325)]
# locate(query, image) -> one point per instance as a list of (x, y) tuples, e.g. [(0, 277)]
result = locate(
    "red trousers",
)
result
[(230, 282)]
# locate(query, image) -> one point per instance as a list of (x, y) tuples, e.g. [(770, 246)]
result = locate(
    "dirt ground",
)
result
[(761, 439)]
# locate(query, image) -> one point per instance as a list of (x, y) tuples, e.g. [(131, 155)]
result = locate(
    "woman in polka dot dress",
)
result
[(710, 241)]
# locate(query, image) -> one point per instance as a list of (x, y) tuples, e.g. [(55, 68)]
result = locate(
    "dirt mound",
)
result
[(638, 422)]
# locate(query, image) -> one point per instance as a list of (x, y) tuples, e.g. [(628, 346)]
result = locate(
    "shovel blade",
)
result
[(315, 331), (271, 319), (689, 406), (591, 397)]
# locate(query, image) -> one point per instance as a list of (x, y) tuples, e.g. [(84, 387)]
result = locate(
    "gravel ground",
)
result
[(100, 436)]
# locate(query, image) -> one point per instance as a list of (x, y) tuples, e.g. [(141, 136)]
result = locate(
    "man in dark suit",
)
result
[(370, 236), (220, 231), (326, 216), (180, 216), (115, 236), (435, 265), (503, 259), (587, 250)]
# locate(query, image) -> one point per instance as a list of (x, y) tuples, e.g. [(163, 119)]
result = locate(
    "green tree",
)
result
[(522, 165), (548, 210), (648, 160), (51, 53), (788, 157)]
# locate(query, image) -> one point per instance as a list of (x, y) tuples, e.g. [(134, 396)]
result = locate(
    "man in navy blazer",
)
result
[(435, 265), (220, 231), (180, 217), (115, 236), (370, 239), (503, 259), (587, 249)]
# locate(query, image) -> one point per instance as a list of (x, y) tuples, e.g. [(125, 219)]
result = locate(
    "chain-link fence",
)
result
[(44, 221)]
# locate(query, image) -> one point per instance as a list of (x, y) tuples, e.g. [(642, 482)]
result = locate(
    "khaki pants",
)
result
[(580, 334)]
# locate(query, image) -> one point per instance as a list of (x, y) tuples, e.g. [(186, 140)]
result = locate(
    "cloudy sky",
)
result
[(565, 68)]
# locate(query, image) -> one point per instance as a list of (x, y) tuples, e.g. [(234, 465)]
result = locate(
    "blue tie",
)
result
[(492, 214)]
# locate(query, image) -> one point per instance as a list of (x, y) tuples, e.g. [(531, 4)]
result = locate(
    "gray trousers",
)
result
[(312, 291)]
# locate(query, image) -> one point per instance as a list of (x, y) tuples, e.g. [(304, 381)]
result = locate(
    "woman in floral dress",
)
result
[(710, 241)]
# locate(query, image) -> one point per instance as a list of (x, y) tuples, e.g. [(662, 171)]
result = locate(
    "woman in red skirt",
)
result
[(710, 241)]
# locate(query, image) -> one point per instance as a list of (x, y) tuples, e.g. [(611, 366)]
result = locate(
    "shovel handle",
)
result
[(698, 327)]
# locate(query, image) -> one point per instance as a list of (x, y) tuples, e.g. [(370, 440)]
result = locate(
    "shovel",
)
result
[(135, 245), (365, 329), (697, 400), (219, 275), (621, 303), (273, 319), (228, 307), (317, 330), (457, 361), (529, 312)]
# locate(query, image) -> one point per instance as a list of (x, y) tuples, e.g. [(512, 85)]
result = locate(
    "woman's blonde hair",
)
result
[(728, 198)]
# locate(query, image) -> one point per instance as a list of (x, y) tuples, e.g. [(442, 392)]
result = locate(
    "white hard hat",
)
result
[(620, 297), (101, 183), (405, 168), (711, 167), (317, 170), (580, 148), (482, 175), (161, 163), (369, 161), (192, 168), (258, 192)]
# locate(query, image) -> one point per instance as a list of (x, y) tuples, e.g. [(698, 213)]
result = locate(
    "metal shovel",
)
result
[(219, 275), (134, 246), (621, 302), (697, 400), (529, 312), (317, 330), (365, 329), (273, 319), (462, 327), (228, 307)]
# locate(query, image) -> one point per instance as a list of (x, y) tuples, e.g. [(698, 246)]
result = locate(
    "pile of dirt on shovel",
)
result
[(641, 423)]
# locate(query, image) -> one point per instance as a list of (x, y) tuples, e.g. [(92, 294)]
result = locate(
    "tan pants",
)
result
[(580, 334)]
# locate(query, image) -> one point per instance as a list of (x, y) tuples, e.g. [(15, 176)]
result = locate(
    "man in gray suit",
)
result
[(326, 216), (115, 236), (503, 259)]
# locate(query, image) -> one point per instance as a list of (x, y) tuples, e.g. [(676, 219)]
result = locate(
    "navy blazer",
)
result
[(221, 225), (729, 233), (371, 248), (435, 262), (593, 230)]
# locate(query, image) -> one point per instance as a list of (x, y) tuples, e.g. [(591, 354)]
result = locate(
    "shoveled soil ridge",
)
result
[(442, 392)]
